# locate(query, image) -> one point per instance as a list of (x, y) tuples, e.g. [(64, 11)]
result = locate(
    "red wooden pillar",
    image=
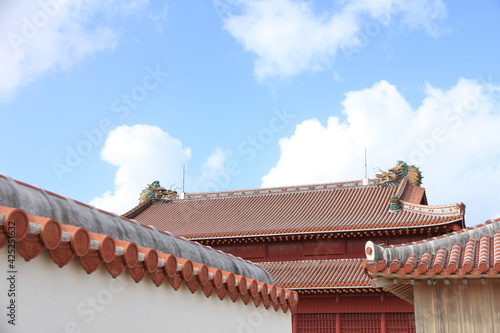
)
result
[(294, 323), (338, 323), (383, 323)]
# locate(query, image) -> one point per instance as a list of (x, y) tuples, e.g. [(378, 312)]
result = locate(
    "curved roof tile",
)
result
[(70, 213), (327, 273), (469, 252), (330, 207), (64, 243)]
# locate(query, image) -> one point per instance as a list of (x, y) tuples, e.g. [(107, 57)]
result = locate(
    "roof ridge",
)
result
[(402, 187), (451, 234), (64, 242), (372, 183), (403, 251), (106, 214), (279, 190), (131, 213), (312, 260), (446, 210)]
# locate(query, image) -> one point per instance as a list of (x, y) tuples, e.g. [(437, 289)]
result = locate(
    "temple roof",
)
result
[(468, 253), (319, 274), (329, 207)]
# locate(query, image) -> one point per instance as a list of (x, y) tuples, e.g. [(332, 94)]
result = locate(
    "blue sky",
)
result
[(98, 99)]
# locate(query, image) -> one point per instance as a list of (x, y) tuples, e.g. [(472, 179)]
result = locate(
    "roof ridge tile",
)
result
[(473, 252), (138, 261)]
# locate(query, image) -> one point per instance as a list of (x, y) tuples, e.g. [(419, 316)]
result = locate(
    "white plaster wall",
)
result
[(57, 300)]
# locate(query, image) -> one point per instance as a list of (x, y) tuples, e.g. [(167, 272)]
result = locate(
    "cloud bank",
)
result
[(290, 37), (451, 136)]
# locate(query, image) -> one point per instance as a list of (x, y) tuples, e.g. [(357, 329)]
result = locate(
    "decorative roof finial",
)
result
[(394, 204), (402, 170), (156, 192)]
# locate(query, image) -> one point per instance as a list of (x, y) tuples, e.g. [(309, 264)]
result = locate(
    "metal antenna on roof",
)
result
[(183, 177), (366, 174), (365, 180), (182, 194)]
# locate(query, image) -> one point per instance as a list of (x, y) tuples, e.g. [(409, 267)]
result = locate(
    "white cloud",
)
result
[(213, 176), (145, 153), (451, 136), (142, 154), (289, 37), (40, 36), (159, 17)]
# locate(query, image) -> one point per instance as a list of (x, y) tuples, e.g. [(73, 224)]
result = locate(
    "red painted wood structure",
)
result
[(312, 239)]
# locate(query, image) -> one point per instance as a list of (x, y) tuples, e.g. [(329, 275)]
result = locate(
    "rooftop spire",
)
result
[(365, 180)]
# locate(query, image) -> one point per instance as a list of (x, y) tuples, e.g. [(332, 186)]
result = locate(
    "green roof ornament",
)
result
[(394, 204), (396, 174), (156, 192)]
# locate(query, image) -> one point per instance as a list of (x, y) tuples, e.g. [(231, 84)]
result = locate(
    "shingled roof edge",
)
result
[(260, 191), (472, 253), (63, 243), (39, 202), (386, 219), (138, 209), (332, 288), (402, 252), (225, 236)]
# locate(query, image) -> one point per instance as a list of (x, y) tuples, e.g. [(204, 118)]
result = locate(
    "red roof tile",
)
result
[(87, 218), (470, 252), (64, 243), (320, 274), (68, 230), (414, 194), (330, 207)]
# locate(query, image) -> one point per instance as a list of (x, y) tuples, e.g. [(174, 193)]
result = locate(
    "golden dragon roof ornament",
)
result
[(402, 170), (157, 193)]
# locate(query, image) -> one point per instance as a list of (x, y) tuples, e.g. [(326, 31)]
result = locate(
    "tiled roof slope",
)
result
[(473, 251), (63, 243), (328, 207), (39, 202), (469, 253), (319, 274)]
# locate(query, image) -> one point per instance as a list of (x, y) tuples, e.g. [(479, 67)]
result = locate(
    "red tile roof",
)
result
[(413, 194), (469, 253), (74, 213), (318, 274), (332, 207), (65, 242), (473, 251)]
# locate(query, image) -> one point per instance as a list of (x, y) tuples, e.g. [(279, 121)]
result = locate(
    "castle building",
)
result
[(311, 239)]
